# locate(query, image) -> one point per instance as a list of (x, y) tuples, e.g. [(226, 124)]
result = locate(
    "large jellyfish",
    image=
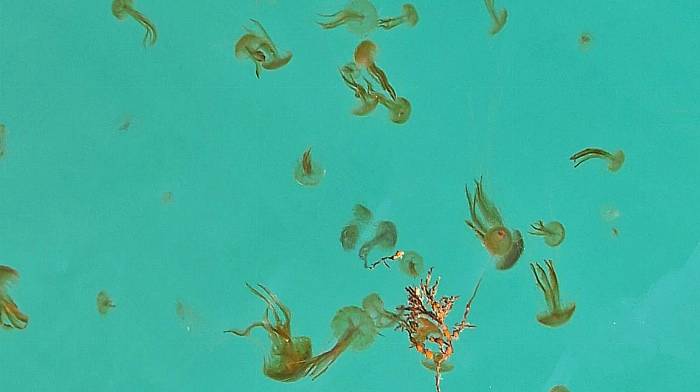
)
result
[(359, 16), (259, 48), (123, 8), (494, 235), (10, 315), (614, 160), (556, 314), (289, 355)]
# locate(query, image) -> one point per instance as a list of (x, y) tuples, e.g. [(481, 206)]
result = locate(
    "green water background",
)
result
[(81, 209)]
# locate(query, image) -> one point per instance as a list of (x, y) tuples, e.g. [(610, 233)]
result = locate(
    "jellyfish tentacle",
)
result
[(380, 76), (151, 33), (543, 284), (476, 224), (246, 331), (554, 281), (488, 209)]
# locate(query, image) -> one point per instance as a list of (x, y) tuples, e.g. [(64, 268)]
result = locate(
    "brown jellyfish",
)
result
[(584, 41), (359, 16), (368, 98), (614, 160), (123, 8), (10, 315), (365, 54), (412, 264), (490, 229), (308, 172), (259, 48), (399, 109), (553, 232), (351, 232), (409, 17), (104, 303), (498, 18), (385, 237), (556, 314)]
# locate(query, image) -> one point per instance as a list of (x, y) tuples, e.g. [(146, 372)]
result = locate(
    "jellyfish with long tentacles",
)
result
[(10, 315), (257, 46), (123, 8), (487, 224), (553, 232), (365, 54), (307, 171), (409, 17), (548, 282), (614, 160), (359, 16)]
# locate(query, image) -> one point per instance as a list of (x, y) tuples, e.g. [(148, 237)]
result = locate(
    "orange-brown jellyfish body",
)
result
[(365, 54), (409, 16), (123, 8), (104, 303), (487, 224), (556, 314), (10, 315), (257, 46), (366, 95), (359, 16)]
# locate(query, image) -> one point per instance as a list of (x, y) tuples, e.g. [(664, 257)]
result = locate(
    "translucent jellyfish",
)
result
[(362, 214), (585, 40), (354, 329), (399, 109), (359, 16), (559, 388), (167, 197), (289, 356), (10, 315), (609, 213), (2, 140), (123, 8), (553, 232), (412, 264), (366, 95), (104, 303), (385, 237), (257, 46), (614, 160), (555, 315), (409, 17), (490, 229), (308, 172), (374, 306), (351, 232), (498, 18), (365, 54)]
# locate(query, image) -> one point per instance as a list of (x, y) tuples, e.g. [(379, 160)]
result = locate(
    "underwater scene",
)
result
[(349, 195)]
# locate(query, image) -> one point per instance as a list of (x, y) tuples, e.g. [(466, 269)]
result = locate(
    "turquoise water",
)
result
[(82, 208)]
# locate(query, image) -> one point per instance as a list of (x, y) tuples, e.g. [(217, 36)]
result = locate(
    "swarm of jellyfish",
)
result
[(257, 46)]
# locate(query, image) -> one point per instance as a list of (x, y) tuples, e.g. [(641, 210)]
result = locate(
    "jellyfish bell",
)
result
[(509, 259), (412, 264), (498, 241), (616, 161), (557, 317), (355, 325), (365, 53), (410, 14), (400, 112)]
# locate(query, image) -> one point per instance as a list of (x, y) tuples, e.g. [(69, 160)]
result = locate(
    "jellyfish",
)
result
[(399, 109), (307, 172), (411, 264), (349, 236), (167, 197), (489, 228), (10, 315), (361, 214), (585, 40), (359, 16), (498, 18), (374, 306), (559, 388), (354, 329), (385, 237), (409, 17), (555, 315), (368, 98), (104, 303), (122, 8), (259, 48), (364, 58), (2, 140), (615, 160), (553, 232), (289, 356)]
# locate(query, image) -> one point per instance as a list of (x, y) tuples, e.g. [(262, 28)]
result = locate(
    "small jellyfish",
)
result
[(584, 41), (259, 48), (409, 17), (354, 329), (290, 357), (122, 8), (359, 16), (104, 303), (555, 315), (125, 124), (412, 264), (167, 197), (498, 18), (367, 96), (399, 109), (559, 388), (2, 140), (10, 315), (615, 232), (615, 160), (349, 236), (374, 306), (553, 232), (308, 172), (609, 213), (365, 53), (362, 214), (489, 228), (385, 237)]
